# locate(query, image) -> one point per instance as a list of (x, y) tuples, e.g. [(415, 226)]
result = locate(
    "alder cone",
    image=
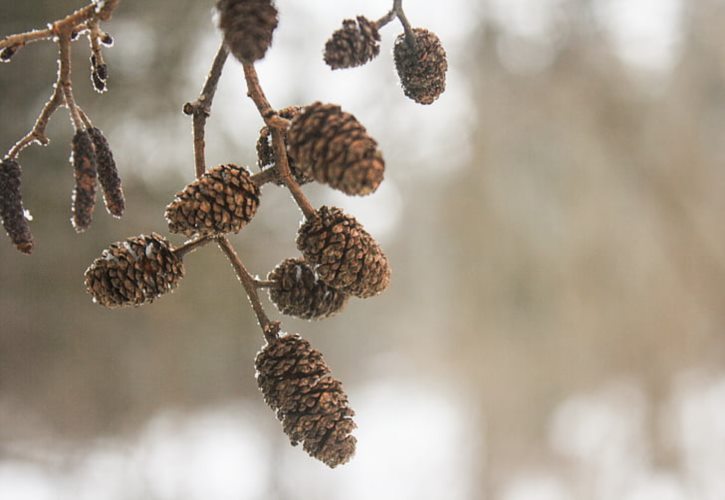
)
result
[(108, 174), (248, 26), (134, 272), (343, 254), (84, 168), (266, 156), (312, 406), (223, 200), (298, 292), (12, 212), (422, 70), (355, 44), (335, 149)]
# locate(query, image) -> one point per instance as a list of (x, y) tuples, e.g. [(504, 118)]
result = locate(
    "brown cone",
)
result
[(298, 292), (353, 45), (335, 149), (247, 26), (267, 158), (108, 174), (422, 70), (223, 200), (343, 254), (84, 193), (12, 212), (134, 272), (312, 406)]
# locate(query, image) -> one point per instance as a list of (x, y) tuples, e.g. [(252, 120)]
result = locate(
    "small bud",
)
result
[(98, 83), (108, 174), (107, 40), (102, 70), (74, 35), (84, 193), (12, 212), (8, 53)]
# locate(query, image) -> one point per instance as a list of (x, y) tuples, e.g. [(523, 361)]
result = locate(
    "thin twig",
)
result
[(38, 131), (265, 284), (409, 35), (270, 328), (266, 176), (192, 245), (64, 80), (200, 108), (270, 117), (386, 19)]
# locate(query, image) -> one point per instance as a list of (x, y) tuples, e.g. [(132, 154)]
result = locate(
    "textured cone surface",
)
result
[(247, 26), (84, 193), (336, 149), (134, 272), (108, 174), (267, 158), (422, 70), (355, 44), (223, 200), (298, 292), (12, 212), (312, 406), (344, 255)]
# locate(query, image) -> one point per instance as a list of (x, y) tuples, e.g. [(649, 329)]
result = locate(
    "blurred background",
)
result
[(555, 328)]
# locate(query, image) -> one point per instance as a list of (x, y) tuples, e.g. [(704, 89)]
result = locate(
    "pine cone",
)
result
[(84, 193), (133, 272), (266, 157), (422, 70), (353, 45), (223, 200), (335, 149), (345, 256), (108, 174), (297, 385), (247, 26), (299, 293), (12, 212)]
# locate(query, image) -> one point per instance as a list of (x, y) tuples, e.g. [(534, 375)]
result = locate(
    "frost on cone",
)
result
[(266, 156), (353, 45), (335, 149), (297, 385), (84, 193), (223, 200), (247, 26), (108, 174), (298, 292), (422, 69), (133, 272), (12, 212), (343, 254)]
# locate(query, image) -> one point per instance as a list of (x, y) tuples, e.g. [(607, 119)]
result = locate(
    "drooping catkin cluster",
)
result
[(420, 58), (12, 212), (91, 155), (310, 403)]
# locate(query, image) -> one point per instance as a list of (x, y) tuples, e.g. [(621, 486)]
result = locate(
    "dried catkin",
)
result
[(247, 26), (298, 292), (343, 254), (134, 272), (12, 212), (108, 174), (335, 149), (84, 193), (223, 200), (310, 403), (422, 70), (266, 155), (355, 44)]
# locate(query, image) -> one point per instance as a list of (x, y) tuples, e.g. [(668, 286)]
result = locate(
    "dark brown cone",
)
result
[(335, 149), (223, 200), (248, 26), (84, 193), (108, 174), (312, 406), (12, 212), (343, 254), (422, 70), (134, 272), (266, 157), (298, 292), (353, 45)]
